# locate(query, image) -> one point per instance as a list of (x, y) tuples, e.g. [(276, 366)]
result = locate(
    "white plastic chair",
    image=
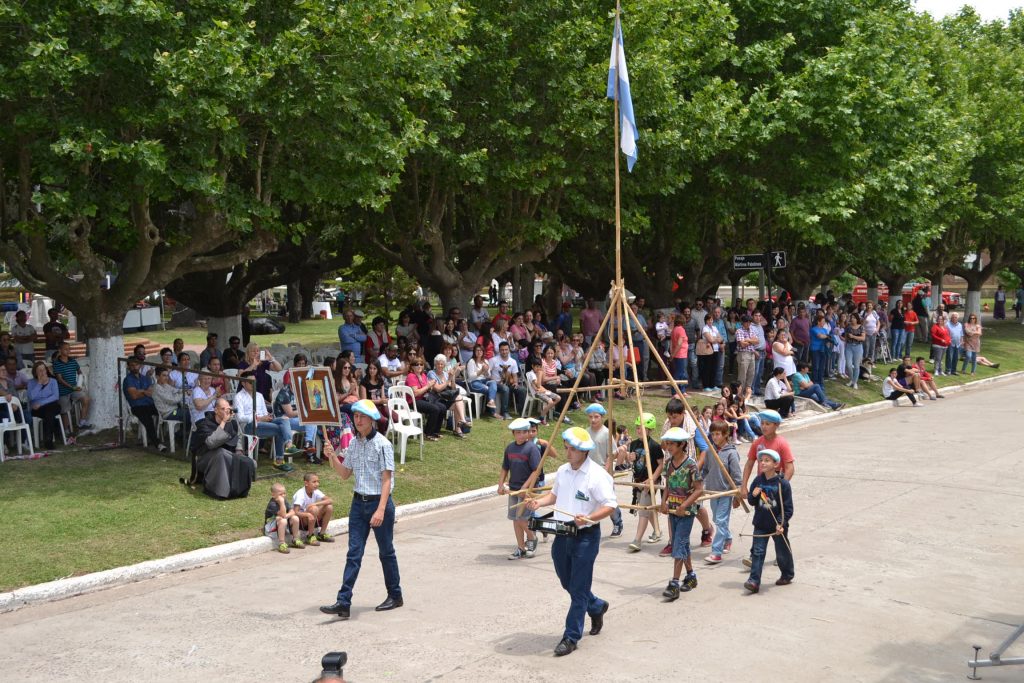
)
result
[(403, 427), (531, 399), (172, 427), (277, 380), (37, 429), (406, 394), (10, 424)]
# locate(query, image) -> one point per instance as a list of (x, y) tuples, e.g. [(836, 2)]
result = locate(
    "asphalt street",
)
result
[(907, 535)]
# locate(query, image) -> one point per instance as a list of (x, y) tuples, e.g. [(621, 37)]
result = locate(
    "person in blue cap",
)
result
[(683, 486), (772, 498), (583, 494), (602, 453), (769, 439), (519, 467), (370, 460)]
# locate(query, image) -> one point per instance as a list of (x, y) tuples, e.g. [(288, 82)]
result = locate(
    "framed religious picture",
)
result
[(314, 396)]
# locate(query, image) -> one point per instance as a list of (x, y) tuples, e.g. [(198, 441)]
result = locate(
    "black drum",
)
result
[(552, 526)]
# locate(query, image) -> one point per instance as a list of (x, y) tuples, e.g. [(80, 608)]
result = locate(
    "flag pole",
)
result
[(615, 148)]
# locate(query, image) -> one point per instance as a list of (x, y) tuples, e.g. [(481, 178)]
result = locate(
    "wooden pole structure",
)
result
[(693, 416), (652, 383), (644, 436)]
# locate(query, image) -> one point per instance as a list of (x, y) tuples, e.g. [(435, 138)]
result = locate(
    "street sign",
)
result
[(748, 261), (778, 259)]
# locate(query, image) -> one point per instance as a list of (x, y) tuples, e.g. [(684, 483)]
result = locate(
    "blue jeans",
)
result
[(691, 360), (938, 353), (782, 554), (758, 375), (279, 429), (358, 532), (972, 358), (952, 356), (897, 342), (721, 366), (309, 431), (679, 369), (854, 357), (819, 363), (721, 509), (488, 388), (681, 528), (616, 517), (816, 393), (574, 558), (743, 428), (509, 397)]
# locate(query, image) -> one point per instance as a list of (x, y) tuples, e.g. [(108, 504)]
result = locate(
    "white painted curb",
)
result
[(66, 588), (119, 576)]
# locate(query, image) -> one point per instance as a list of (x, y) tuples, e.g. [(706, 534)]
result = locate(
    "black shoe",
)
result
[(616, 530), (389, 604), (689, 582), (671, 591), (564, 647), (337, 608), (597, 620)]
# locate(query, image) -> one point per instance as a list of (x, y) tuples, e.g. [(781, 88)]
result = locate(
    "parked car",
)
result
[(860, 293)]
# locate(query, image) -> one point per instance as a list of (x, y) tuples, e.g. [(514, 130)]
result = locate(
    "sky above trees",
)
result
[(987, 9)]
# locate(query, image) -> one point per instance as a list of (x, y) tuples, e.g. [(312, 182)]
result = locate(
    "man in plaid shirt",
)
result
[(370, 459), (746, 352)]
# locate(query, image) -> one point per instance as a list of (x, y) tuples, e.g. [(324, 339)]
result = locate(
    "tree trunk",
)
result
[(225, 328), (895, 285), (294, 302), (461, 298), (307, 291), (525, 287), (105, 347), (734, 279), (553, 295), (873, 294)]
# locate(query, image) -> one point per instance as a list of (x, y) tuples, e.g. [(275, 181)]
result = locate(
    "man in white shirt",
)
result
[(24, 337), (391, 365), (505, 371), (870, 331), (585, 491), (314, 509), (759, 348), (266, 426), (778, 393)]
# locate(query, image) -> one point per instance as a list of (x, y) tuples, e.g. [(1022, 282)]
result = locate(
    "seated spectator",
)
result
[(478, 315), (181, 376), (892, 389), (808, 389), (279, 517), (548, 399), (255, 420), (168, 400), (345, 384), (778, 393), (377, 340), (284, 407), (55, 331), (233, 355), (351, 334), (139, 354), (139, 389), (19, 379), (259, 362), (314, 508), (373, 388), (7, 393), (908, 377), (210, 352), (391, 366), (7, 348), (218, 461), (44, 399), (927, 381), (221, 383), (504, 372), (406, 329), (66, 371), (204, 394), (178, 348), (167, 357), (24, 337), (424, 399), (502, 314), (478, 374), (446, 393)]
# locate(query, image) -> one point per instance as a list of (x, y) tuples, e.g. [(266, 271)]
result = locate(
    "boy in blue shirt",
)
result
[(772, 498), (521, 459)]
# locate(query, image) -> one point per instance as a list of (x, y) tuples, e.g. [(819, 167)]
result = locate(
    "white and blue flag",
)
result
[(617, 73)]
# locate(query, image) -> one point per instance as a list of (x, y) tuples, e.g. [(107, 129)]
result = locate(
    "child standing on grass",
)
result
[(279, 517), (518, 465), (772, 498), (683, 486)]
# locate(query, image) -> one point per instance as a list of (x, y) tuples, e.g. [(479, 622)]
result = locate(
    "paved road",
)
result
[(908, 539)]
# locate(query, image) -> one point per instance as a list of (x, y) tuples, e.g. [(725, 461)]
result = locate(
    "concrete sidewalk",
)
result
[(907, 534)]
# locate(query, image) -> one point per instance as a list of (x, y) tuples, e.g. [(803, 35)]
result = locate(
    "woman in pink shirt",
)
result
[(678, 349)]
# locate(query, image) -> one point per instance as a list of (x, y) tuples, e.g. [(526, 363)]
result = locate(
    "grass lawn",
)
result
[(308, 332), (86, 511)]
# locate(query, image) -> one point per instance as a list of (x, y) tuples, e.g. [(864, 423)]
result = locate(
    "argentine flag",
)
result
[(617, 72)]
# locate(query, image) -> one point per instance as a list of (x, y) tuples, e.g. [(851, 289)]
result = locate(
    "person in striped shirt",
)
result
[(66, 370)]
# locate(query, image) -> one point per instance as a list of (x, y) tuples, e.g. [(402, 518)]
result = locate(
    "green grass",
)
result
[(308, 332), (81, 511)]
